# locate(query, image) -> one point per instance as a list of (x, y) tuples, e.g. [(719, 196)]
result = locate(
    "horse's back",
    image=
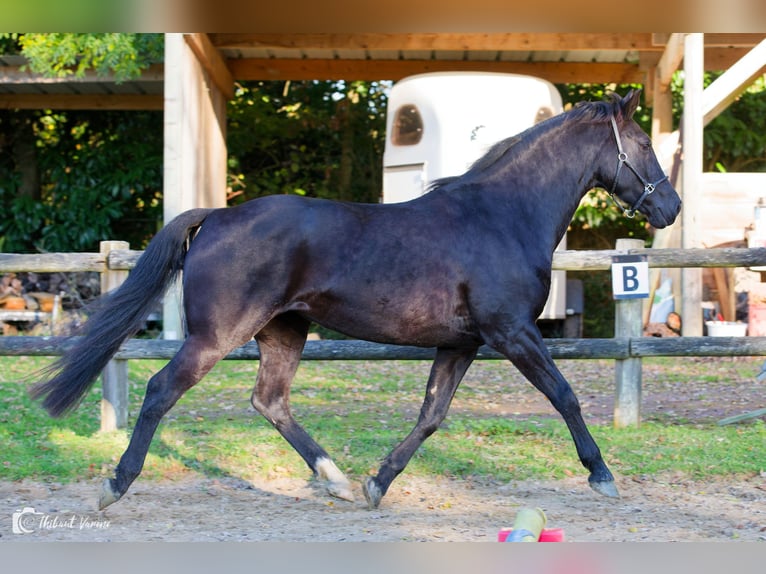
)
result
[(327, 223)]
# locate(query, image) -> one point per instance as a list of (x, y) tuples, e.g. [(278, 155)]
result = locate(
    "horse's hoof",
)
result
[(108, 494), (372, 493), (335, 481), (605, 487), (342, 491)]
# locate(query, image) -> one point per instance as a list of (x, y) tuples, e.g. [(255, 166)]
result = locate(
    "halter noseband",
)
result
[(622, 159)]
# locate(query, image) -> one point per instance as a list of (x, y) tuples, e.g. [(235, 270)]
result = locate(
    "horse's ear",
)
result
[(630, 102)]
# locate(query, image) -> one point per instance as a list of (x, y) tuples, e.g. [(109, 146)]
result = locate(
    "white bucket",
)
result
[(726, 328)]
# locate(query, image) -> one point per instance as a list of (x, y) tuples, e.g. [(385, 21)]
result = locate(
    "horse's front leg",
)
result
[(281, 343), (527, 351), (446, 373)]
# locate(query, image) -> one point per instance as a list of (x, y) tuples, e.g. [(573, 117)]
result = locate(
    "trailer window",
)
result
[(543, 114), (408, 126)]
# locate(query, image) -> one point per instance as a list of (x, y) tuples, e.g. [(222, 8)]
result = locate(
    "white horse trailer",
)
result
[(438, 124)]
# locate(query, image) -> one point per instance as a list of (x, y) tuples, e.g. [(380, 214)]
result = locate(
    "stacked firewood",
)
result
[(19, 306), (13, 297), (670, 328)]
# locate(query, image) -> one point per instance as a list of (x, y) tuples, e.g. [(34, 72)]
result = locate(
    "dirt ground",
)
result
[(295, 509), (414, 510)]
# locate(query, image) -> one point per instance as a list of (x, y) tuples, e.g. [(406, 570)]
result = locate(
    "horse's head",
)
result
[(632, 172)]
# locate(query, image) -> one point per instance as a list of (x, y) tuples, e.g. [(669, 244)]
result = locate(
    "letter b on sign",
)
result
[(630, 276)]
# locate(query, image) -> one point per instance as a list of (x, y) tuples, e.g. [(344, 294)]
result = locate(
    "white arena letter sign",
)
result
[(630, 276)]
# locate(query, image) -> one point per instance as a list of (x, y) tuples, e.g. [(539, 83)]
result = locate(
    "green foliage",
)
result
[(65, 54), (9, 43), (71, 179), (598, 318), (319, 139), (735, 141), (100, 177)]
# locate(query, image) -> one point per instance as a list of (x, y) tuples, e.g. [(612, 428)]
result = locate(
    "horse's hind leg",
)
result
[(281, 343), (190, 364), (446, 373), (528, 353)]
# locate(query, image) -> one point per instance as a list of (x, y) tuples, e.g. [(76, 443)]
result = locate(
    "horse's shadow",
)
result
[(214, 472)]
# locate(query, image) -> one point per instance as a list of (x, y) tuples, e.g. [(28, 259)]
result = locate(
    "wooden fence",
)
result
[(627, 348)]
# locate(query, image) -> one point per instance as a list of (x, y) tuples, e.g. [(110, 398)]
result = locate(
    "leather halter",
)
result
[(622, 158)]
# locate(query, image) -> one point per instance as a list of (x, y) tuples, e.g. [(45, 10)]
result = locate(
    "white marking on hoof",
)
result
[(372, 493), (336, 482), (108, 495)]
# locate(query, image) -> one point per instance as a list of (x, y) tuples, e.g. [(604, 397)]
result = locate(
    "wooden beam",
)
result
[(717, 40), (662, 108), (716, 59), (355, 350), (669, 62), (739, 418), (723, 91), (15, 75), (438, 41), (719, 59), (213, 62), (81, 102), (659, 96), (326, 69), (736, 40)]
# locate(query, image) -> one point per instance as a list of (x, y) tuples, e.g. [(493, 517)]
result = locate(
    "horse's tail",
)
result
[(119, 315)]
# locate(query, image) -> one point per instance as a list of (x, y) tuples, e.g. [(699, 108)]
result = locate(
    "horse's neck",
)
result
[(550, 184)]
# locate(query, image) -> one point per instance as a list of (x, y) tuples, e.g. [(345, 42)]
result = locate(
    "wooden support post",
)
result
[(691, 279), (195, 140), (114, 378), (628, 324)]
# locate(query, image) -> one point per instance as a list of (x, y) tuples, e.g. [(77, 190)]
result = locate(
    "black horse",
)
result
[(467, 264)]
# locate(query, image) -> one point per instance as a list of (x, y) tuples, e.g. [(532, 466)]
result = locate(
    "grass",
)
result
[(358, 412)]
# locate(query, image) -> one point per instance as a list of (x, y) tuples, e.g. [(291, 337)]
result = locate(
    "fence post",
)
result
[(114, 378), (628, 323)]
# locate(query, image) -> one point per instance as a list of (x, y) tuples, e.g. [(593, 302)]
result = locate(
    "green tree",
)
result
[(319, 139), (60, 55), (735, 141), (70, 179), (98, 176)]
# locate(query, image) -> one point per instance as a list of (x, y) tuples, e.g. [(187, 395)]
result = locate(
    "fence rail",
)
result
[(626, 350), (353, 350), (573, 260)]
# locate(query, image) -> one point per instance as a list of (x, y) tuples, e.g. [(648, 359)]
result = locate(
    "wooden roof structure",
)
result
[(558, 57), (22, 89)]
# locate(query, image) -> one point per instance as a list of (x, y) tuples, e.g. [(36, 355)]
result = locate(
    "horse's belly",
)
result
[(429, 321)]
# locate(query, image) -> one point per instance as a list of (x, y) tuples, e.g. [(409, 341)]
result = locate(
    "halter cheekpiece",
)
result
[(622, 159)]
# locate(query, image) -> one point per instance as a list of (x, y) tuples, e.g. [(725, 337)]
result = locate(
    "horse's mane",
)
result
[(595, 112)]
